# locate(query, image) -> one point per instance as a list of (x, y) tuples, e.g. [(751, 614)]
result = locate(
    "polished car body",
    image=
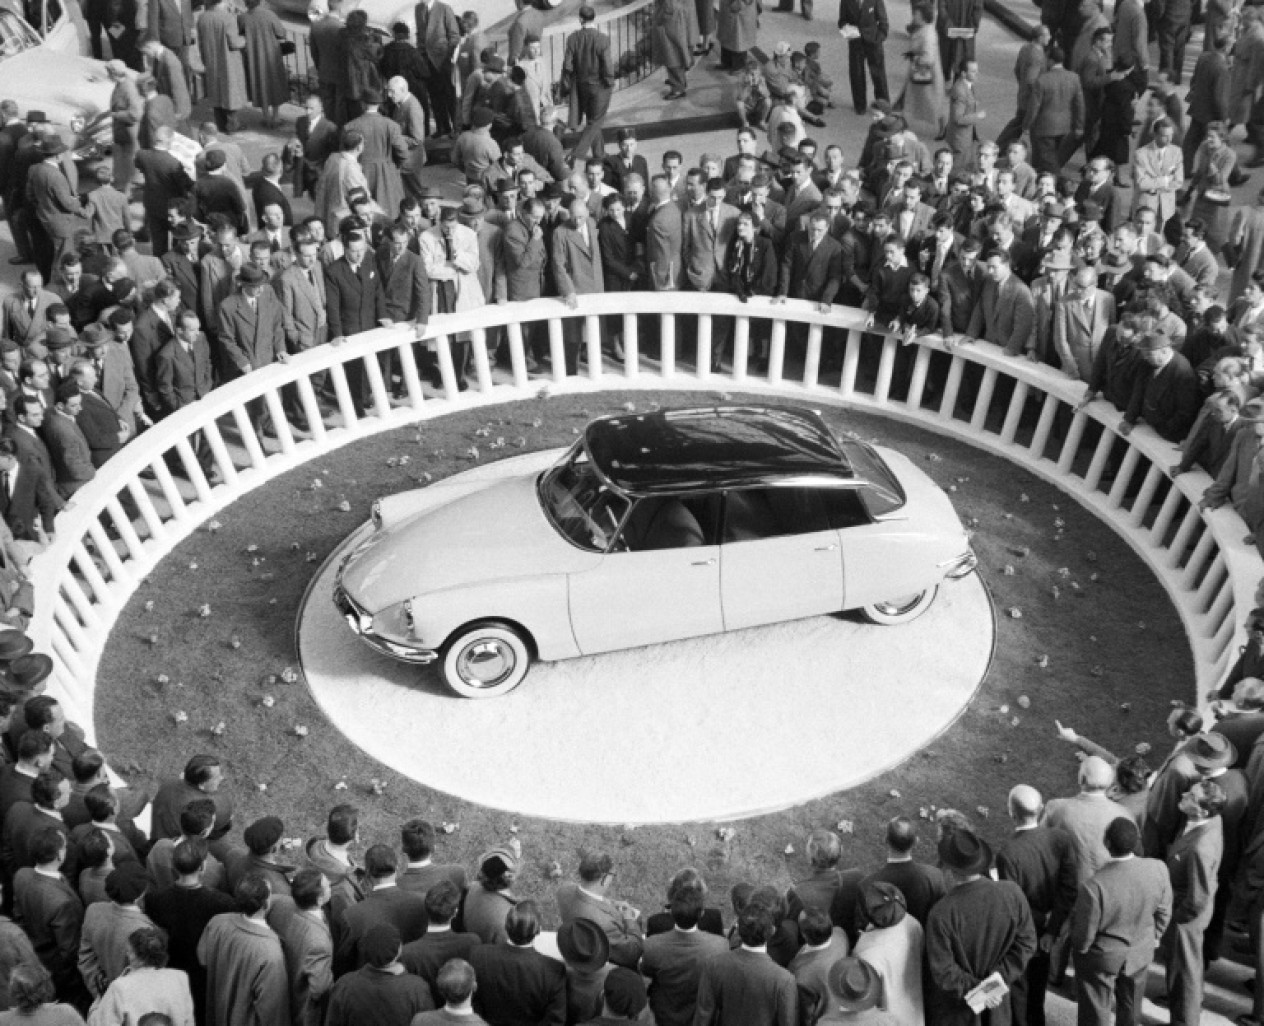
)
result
[(651, 528)]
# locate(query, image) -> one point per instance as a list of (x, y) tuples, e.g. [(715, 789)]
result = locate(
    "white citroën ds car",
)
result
[(652, 527)]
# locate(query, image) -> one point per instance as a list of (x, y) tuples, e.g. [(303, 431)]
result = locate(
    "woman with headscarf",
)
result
[(892, 944), (489, 898)]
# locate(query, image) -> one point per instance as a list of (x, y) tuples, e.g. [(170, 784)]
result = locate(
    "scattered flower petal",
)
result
[(344, 506), (162, 680), (725, 833), (300, 730), (789, 849), (1143, 748), (204, 611), (289, 675), (1015, 721), (234, 642), (1023, 498), (252, 547), (1043, 662), (1024, 702), (1008, 571), (153, 639), (219, 729), (630, 407), (983, 811), (180, 716), (267, 701), (894, 793), (377, 786), (554, 872), (193, 566), (449, 828), (317, 484), (845, 826), (294, 546), (340, 786), (261, 786), (311, 557), (149, 605), (213, 526), (1015, 613)]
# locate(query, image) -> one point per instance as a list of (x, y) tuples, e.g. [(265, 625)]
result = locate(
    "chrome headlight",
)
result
[(408, 615)]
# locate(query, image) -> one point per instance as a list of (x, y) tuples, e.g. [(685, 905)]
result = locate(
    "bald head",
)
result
[(1024, 804), (1096, 774)]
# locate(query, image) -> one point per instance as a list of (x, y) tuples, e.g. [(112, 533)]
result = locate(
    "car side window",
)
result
[(751, 514), (845, 508), (670, 522)]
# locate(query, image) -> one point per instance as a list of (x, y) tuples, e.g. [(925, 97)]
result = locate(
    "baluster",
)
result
[(85, 612), (193, 469), (557, 349), (412, 376), (1159, 529), (777, 352), (1124, 476), (447, 367), (592, 336), (70, 626), (706, 326), (253, 446), (170, 491), (741, 347), (377, 386), (886, 367), (983, 401), (1220, 613), (1014, 412), (667, 354), (1191, 522), (1097, 466), (1044, 426), (1071, 444), (1198, 559), (284, 433), (482, 361), (311, 410), (631, 346), (219, 452), (952, 386), (148, 512), (105, 549), (917, 385), (812, 363), (338, 373), (1216, 574), (87, 568), (126, 532), (517, 354), (851, 364), (1145, 494)]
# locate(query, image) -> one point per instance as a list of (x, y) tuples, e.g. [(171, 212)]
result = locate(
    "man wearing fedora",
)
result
[(980, 927), (58, 211), (585, 949), (1193, 863), (1120, 914), (588, 898), (855, 992)]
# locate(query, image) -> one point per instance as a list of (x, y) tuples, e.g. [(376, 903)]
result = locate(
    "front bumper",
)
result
[(361, 624)]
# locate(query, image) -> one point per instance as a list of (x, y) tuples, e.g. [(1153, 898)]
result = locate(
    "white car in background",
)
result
[(653, 527)]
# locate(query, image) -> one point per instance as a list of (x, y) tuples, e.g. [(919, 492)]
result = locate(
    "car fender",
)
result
[(538, 605)]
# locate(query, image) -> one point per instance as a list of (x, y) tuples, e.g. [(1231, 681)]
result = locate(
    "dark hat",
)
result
[(1253, 412), (530, 37), (123, 288), (263, 834), (1152, 343), (1053, 208), (494, 64), (625, 133), (381, 944), (482, 117), (215, 159), (1211, 751), (506, 185), (13, 645), (854, 984), (251, 275), (497, 860), (186, 230), (95, 334), (963, 851), (624, 991), (67, 390), (36, 117), (583, 944), (371, 95), (789, 154), (51, 145), (127, 882), (358, 196), (552, 190), (884, 903), (351, 225), (430, 192), (58, 337), (448, 214), (28, 672), (472, 206), (1091, 211)]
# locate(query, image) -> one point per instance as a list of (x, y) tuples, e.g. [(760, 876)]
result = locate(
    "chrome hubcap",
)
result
[(896, 606), (486, 662)]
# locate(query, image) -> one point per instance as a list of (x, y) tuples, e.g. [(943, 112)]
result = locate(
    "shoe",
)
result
[(674, 96), (21, 260), (1238, 178)]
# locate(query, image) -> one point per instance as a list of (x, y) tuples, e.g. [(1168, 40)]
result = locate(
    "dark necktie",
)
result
[(448, 248), (4, 483)]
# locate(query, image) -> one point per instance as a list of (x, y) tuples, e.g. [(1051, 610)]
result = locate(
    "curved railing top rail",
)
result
[(1221, 550)]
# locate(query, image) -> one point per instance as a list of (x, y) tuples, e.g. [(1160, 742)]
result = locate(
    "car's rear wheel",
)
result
[(900, 609), (486, 659)]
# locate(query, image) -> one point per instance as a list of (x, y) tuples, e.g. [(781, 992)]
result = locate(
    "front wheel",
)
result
[(901, 609), (485, 660)]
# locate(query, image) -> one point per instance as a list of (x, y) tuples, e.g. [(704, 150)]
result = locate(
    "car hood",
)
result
[(497, 533), (61, 85)]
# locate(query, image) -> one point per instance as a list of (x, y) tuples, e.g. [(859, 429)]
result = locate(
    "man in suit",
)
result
[(922, 885), (405, 110), (577, 270), (326, 47), (589, 78), (165, 180), (1087, 815), (802, 197), (28, 417), (1132, 36), (707, 232), (526, 259), (316, 138), (812, 267), (868, 20), (627, 161), (183, 374), (438, 36), (157, 111), (170, 23), (672, 961), (588, 899), (1041, 860), (25, 313), (307, 943), (1005, 315), (1210, 89), (166, 64), (216, 193), (1193, 862), (1055, 115), (964, 115), (67, 448), (1120, 915), (301, 290), (664, 238), (911, 218), (1165, 394), (56, 206), (355, 300), (251, 335), (407, 290), (426, 956), (744, 985), (25, 495), (979, 927), (385, 902), (153, 329), (1080, 320), (1159, 171), (515, 982), (1194, 258), (101, 426), (50, 912)]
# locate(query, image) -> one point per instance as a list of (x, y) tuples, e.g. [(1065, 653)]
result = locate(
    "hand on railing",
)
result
[(384, 322), (283, 357), (1125, 428), (869, 320), (340, 340), (823, 308), (571, 301), (1089, 396)]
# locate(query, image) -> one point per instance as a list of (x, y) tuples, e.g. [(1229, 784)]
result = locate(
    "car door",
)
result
[(659, 582), (780, 557)]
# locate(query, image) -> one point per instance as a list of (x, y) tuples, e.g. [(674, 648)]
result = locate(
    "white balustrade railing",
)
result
[(85, 576)]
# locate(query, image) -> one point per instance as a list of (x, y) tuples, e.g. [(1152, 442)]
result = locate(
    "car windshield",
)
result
[(15, 35), (581, 505)]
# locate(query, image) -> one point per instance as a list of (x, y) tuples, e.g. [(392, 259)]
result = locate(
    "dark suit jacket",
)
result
[(438, 33), (249, 340), (816, 276), (71, 457), (1193, 864), (21, 824), (266, 192), (746, 988), (219, 194), (577, 267), (664, 238), (182, 377), (149, 335), (356, 300), (870, 16), (759, 277), (317, 146), (1057, 105), (426, 955), (618, 256), (101, 428), (586, 60), (1167, 399), (1042, 862), (1005, 316), (1209, 88), (172, 22), (615, 168), (186, 274), (32, 494), (1120, 914), (52, 915), (673, 962), (406, 286), (403, 909), (921, 885), (54, 202), (518, 986), (165, 180)]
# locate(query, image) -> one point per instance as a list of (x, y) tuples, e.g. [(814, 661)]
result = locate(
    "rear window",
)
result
[(882, 492)]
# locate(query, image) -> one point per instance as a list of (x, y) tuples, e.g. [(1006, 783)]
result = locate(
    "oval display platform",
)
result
[(707, 729)]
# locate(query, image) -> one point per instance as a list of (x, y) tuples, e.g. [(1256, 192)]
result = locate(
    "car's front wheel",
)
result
[(901, 609), (486, 659)]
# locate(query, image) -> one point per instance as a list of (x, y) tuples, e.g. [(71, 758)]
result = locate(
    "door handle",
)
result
[(826, 548), (704, 562)]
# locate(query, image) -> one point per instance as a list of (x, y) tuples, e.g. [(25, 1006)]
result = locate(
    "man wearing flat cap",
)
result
[(381, 990), (893, 944), (1165, 393), (980, 927), (67, 447)]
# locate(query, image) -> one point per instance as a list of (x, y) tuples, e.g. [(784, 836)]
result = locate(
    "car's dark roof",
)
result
[(712, 447)]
